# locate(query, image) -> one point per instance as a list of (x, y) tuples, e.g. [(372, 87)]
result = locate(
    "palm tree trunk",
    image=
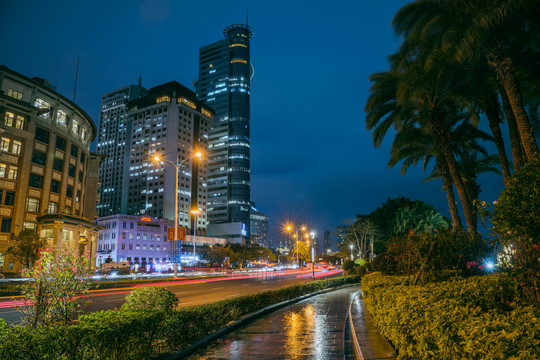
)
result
[(504, 69), (442, 141), (448, 186), (494, 118), (513, 132)]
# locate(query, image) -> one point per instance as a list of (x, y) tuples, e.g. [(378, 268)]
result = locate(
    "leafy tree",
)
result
[(57, 283), (217, 254), (302, 251), (27, 247)]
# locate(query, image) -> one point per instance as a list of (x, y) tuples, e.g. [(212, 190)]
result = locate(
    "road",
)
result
[(189, 292), (315, 328)]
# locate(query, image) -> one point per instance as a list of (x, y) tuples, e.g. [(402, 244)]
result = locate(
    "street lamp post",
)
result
[(195, 212), (176, 165), (313, 252), (297, 229), (351, 246)]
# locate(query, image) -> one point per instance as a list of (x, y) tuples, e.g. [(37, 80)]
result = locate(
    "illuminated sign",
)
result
[(145, 218), (244, 232), (181, 233)]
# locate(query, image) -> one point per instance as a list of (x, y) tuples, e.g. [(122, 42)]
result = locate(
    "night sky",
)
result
[(312, 158)]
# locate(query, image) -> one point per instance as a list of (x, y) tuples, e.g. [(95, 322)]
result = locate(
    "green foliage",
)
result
[(53, 294), (27, 247), (151, 297), (472, 318), (142, 334), (446, 249), (348, 265)]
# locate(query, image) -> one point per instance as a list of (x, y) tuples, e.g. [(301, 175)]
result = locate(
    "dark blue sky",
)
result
[(312, 157)]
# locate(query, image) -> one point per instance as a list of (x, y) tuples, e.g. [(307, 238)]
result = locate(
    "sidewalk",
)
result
[(369, 343)]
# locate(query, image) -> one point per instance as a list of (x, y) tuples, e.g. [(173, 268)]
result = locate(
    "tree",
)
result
[(27, 247), (57, 283), (217, 254), (302, 250)]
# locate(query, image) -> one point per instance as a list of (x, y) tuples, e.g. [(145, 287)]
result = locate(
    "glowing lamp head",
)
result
[(157, 158), (198, 154), (303, 228), (288, 228)]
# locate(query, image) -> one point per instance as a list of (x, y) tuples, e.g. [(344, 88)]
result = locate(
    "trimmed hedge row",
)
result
[(472, 318), (142, 334)]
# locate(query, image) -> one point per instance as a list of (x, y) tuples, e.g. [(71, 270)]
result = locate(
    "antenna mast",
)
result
[(76, 77)]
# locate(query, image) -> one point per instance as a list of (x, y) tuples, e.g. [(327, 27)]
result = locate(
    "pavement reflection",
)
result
[(311, 329)]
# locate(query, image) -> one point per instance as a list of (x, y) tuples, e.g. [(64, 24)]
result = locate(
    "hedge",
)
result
[(142, 334), (461, 318)]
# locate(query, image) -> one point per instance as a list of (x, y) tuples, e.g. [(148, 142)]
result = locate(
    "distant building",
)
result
[(341, 234), (316, 243), (225, 73), (112, 141), (259, 227), (327, 242), (142, 241), (48, 177), (170, 122)]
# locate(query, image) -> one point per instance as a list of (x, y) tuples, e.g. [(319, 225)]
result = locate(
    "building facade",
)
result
[(47, 173), (169, 122), (327, 242), (342, 232), (112, 142), (142, 241), (259, 227), (225, 73)]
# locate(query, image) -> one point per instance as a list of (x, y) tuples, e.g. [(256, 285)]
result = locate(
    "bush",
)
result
[(348, 265), (141, 334), (471, 318), (149, 298)]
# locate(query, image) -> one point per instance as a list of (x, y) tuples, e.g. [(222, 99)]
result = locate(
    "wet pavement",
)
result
[(315, 328)]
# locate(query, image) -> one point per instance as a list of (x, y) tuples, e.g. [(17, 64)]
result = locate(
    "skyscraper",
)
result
[(327, 243), (225, 72), (111, 141)]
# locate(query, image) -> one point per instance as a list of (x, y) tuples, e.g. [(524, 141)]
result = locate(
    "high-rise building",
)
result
[(342, 232), (225, 72), (170, 122), (259, 227), (112, 135), (47, 172), (327, 241)]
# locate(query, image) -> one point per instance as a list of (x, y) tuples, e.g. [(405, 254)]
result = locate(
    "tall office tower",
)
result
[(112, 143), (225, 72), (259, 227), (342, 231), (327, 242), (172, 123)]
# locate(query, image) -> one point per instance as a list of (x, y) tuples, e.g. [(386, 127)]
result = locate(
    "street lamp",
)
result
[(313, 252), (297, 229), (195, 212), (157, 159), (351, 246)]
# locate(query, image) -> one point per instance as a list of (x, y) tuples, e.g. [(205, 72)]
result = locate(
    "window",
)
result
[(29, 225), (75, 127), (4, 144), (53, 208), (60, 143), (10, 198), (67, 210), (3, 168), (58, 164), (35, 181), (71, 170), (9, 119), (15, 94), (42, 135), (74, 151), (13, 172), (163, 98), (32, 204), (61, 118), (39, 157), (80, 175), (6, 225), (16, 148), (83, 134), (82, 157), (69, 191), (78, 197), (44, 108), (19, 123), (55, 186)]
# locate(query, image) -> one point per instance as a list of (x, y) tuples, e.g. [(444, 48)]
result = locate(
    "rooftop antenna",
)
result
[(247, 16), (140, 80), (76, 76)]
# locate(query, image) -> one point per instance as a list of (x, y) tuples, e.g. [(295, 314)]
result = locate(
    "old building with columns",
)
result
[(48, 176)]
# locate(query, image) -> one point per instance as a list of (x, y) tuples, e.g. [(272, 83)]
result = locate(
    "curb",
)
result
[(198, 344)]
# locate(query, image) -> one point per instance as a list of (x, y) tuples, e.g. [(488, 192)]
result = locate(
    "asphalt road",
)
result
[(189, 292)]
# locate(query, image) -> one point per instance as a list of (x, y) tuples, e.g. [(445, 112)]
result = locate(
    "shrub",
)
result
[(467, 318), (149, 298), (348, 265)]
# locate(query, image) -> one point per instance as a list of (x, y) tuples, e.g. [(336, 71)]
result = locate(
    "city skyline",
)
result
[(312, 158)]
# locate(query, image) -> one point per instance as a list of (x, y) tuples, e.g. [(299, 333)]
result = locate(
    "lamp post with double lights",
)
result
[(296, 229), (157, 159), (195, 212)]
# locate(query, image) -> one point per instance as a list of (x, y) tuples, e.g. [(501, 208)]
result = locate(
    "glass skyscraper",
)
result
[(225, 72)]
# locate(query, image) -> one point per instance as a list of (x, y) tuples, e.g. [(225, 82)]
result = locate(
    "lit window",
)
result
[(16, 148), (235, 45), (44, 108), (13, 172), (19, 123), (83, 136), (75, 127), (163, 98), (189, 103), (61, 118), (32, 204), (3, 168), (9, 119), (4, 144), (241, 61), (29, 225), (207, 113), (53, 208), (15, 94)]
